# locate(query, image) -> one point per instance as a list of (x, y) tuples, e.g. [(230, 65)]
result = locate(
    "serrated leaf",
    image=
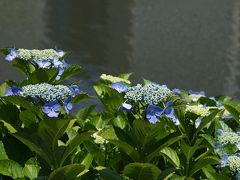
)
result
[(11, 168), (31, 168), (67, 172), (202, 163), (126, 148), (171, 155), (141, 171)]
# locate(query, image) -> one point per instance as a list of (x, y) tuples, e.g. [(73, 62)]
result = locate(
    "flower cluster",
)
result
[(225, 138), (233, 161), (46, 92), (199, 110), (36, 54), (151, 93), (154, 94), (134, 93), (51, 96), (114, 79), (47, 58)]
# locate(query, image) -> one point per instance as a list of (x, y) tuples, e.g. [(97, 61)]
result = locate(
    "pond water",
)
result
[(184, 44)]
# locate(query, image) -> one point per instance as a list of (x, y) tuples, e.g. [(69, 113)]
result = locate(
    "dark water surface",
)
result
[(184, 44)]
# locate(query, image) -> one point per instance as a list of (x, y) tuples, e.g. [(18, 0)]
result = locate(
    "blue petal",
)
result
[(9, 57), (120, 87), (169, 104), (168, 111), (176, 91), (75, 89), (153, 119)]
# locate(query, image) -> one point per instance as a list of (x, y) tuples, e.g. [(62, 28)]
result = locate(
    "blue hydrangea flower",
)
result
[(169, 112), (43, 63), (12, 55), (218, 104), (120, 87), (153, 113), (197, 92), (238, 145), (224, 160), (75, 89), (60, 52), (197, 122), (68, 105), (125, 106), (56, 62), (52, 109), (13, 91), (60, 72), (217, 146), (219, 132), (229, 116), (176, 91)]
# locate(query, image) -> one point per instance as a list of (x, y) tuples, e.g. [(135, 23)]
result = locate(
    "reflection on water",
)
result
[(185, 44)]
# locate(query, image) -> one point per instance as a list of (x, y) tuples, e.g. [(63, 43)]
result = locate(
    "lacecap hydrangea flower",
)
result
[(52, 96), (47, 58), (154, 94), (151, 93), (232, 161), (225, 137)]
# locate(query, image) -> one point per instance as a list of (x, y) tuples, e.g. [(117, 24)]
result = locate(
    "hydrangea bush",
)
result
[(144, 131)]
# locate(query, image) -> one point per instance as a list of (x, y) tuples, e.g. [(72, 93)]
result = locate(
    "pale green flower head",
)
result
[(229, 138), (199, 110), (37, 54), (234, 163)]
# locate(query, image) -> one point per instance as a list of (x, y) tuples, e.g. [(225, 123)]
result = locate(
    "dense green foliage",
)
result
[(143, 132)]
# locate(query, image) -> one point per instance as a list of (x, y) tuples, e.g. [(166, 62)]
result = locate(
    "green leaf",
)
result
[(205, 121), (73, 144), (31, 168), (167, 173), (67, 172), (202, 163), (233, 108), (42, 75), (107, 173), (3, 154), (171, 155), (171, 141), (80, 97), (11, 168), (125, 76), (71, 71), (140, 129), (126, 148), (24, 66), (28, 118), (51, 130), (83, 113), (3, 88), (27, 139), (146, 81), (141, 171), (110, 98)]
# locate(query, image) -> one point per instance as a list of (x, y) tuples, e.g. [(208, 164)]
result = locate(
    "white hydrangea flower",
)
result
[(37, 54), (199, 110)]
